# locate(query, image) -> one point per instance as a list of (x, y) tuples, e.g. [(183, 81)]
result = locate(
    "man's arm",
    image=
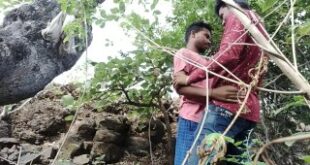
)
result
[(223, 93), (192, 92), (229, 53)]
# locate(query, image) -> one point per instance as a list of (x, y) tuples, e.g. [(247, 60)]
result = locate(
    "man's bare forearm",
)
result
[(223, 93), (191, 91)]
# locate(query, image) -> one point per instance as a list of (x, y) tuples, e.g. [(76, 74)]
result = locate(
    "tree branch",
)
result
[(139, 104), (280, 140), (126, 93), (130, 102)]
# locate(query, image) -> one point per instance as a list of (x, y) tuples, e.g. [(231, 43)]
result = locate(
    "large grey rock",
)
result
[(29, 153), (72, 147), (108, 136), (8, 141), (81, 160), (37, 154), (4, 152), (156, 127), (87, 146), (29, 157), (4, 129), (157, 131), (27, 61), (86, 129), (116, 123), (30, 136), (12, 149), (10, 153), (38, 122), (48, 152), (138, 146), (13, 156), (48, 124), (112, 153)]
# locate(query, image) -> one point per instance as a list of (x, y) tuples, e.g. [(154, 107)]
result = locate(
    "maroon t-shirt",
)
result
[(238, 58)]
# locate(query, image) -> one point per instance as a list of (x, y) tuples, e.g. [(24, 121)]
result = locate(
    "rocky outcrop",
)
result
[(27, 61), (109, 138), (39, 122), (138, 146), (13, 151), (95, 138), (4, 129)]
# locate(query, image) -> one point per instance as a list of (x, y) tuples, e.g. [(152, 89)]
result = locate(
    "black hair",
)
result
[(196, 27), (242, 3)]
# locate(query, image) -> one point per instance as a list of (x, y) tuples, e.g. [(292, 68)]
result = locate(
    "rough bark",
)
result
[(27, 61)]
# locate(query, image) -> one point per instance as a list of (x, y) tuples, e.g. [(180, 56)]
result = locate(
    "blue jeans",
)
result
[(184, 139), (217, 121)]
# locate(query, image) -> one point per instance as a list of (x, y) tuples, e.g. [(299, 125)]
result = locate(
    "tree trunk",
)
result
[(27, 61)]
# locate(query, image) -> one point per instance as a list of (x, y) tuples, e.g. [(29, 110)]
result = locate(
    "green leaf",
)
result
[(306, 159), (238, 143), (229, 139), (63, 162), (297, 101), (122, 7), (103, 13), (102, 24), (69, 118), (155, 2), (214, 136), (304, 29), (112, 17), (267, 4), (156, 12), (67, 100), (114, 10)]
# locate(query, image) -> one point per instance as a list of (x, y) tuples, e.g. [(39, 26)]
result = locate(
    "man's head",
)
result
[(198, 34), (220, 4)]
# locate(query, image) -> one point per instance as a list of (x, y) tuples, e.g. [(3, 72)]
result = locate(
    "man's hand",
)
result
[(226, 93), (179, 79)]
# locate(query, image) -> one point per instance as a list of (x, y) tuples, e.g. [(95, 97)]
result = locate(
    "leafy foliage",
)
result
[(306, 159), (83, 11), (283, 114), (141, 76)]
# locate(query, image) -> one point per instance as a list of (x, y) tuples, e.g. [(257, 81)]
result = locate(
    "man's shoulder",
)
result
[(181, 51), (232, 18), (187, 52)]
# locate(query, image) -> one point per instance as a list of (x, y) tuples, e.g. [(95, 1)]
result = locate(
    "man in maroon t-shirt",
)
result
[(239, 54)]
